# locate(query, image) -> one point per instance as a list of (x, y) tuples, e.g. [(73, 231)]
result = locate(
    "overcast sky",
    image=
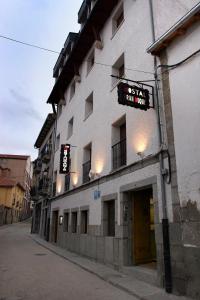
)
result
[(26, 78)]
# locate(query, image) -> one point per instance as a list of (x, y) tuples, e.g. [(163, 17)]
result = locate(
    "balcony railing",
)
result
[(38, 166), (83, 11), (43, 187), (86, 170), (46, 153), (54, 188), (67, 182), (34, 193), (119, 154)]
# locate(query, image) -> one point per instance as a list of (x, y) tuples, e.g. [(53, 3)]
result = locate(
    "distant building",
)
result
[(18, 168), (41, 191), (11, 200)]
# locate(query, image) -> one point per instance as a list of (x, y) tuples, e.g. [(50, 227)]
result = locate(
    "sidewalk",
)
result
[(133, 286)]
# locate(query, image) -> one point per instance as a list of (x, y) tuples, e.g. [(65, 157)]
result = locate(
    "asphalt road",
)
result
[(30, 272)]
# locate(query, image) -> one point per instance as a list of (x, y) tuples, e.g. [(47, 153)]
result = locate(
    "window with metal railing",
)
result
[(54, 189), (119, 154), (67, 182), (86, 170)]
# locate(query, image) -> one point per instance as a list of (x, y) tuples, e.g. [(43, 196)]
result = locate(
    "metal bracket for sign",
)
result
[(141, 84)]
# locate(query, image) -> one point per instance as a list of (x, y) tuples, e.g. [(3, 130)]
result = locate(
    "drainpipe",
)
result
[(165, 222)]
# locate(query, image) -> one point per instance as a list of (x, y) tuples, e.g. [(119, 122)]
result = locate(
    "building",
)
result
[(19, 169), (11, 200), (178, 68), (125, 191), (41, 191)]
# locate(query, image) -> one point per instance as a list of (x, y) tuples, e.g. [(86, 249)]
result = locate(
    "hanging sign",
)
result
[(133, 96), (64, 159)]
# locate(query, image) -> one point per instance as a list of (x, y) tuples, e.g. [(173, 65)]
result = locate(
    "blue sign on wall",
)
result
[(97, 194)]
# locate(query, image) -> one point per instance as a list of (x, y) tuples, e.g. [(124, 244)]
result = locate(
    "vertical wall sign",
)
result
[(133, 96), (65, 159)]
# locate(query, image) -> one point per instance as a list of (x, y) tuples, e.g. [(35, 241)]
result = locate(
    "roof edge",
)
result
[(157, 46), (45, 129)]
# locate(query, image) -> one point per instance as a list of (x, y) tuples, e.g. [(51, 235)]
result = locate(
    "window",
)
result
[(57, 142), (66, 222), (90, 61), (54, 182), (117, 19), (87, 153), (121, 70), (70, 127), (84, 221), (89, 106), (67, 182), (74, 221), (119, 143), (72, 89), (118, 69), (59, 110), (109, 217)]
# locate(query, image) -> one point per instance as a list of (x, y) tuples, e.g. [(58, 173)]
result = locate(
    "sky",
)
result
[(26, 76)]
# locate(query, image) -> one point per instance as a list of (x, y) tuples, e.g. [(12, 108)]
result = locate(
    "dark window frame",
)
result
[(66, 222), (109, 218), (74, 221), (84, 221)]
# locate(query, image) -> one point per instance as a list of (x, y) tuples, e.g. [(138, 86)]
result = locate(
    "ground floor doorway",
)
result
[(143, 228), (55, 226)]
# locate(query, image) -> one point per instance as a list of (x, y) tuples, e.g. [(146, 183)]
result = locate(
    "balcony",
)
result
[(54, 189), (43, 188), (46, 153), (119, 154), (34, 193), (86, 170), (83, 11), (37, 166)]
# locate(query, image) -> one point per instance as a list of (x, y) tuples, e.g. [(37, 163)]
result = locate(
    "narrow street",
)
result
[(30, 272)]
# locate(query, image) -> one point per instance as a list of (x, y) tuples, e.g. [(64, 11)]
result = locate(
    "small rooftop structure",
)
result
[(45, 129)]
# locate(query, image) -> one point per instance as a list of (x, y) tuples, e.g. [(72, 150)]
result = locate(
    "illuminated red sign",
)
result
[(65, 159), (133, 96)]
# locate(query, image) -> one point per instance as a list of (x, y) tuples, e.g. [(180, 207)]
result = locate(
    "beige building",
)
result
[(18, 168), (11, 200)]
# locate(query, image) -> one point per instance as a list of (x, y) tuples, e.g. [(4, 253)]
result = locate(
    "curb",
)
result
[(159, 293), (89, 270)]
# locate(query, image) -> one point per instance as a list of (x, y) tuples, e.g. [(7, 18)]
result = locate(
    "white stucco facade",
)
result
[(91, 120), (185, 89), (141, 126)]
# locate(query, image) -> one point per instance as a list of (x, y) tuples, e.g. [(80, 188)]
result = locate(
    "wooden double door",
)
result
[(143, 228)]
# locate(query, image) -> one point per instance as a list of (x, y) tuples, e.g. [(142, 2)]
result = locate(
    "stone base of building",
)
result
[(8, 215), (116, 252)]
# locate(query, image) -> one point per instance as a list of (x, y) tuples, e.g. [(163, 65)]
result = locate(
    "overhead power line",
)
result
[(53, 51), (27, 44)]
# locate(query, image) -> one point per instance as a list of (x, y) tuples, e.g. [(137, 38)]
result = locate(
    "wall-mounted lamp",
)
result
[(60, 220), (74, 179), (141, 154), (93, 174)]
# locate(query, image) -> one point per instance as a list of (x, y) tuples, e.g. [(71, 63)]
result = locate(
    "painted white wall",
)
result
[(131, 40), (86, 197), (185, 91), (168, 12)]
